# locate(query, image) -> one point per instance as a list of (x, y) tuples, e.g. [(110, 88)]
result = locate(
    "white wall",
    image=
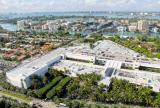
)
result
[(14, 80)]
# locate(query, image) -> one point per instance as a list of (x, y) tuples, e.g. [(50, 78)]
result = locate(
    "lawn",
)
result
[(16, 95)]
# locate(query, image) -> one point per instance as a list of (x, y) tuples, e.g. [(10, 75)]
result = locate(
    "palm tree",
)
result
[(36, 81)]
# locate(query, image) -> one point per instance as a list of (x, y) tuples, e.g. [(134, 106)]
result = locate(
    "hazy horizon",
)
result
[(30, 6), (107, 11)]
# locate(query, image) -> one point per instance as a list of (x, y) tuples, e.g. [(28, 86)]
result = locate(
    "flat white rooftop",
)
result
[(83, 49), (102, 50), (150, 65), (32, 65), (140, 77), (74, 67), (109, 49)]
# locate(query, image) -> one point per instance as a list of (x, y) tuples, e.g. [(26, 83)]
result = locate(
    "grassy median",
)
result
[(16, 95)]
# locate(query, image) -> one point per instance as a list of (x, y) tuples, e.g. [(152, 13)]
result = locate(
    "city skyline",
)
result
[(78, 5)]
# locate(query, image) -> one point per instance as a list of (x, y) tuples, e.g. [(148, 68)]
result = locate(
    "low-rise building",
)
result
[(122, 29), (22, 24), (132, 27), (20, 76), (107, 59)]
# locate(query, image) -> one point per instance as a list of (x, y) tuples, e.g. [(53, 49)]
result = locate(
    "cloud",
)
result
[(90, 2), (77, 5), (154, 4), (119, 2), (26, 5)]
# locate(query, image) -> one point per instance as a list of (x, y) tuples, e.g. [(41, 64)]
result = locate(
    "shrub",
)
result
[(41, 92), (58, 88)]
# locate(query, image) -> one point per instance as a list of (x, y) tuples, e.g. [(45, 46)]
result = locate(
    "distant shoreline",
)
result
[(109, 14)]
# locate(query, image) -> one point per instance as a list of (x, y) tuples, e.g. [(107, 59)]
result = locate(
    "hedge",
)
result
[(58, 88), (41, 92)]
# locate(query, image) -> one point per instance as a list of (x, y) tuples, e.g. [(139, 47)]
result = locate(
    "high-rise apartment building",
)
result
[(143, 26)]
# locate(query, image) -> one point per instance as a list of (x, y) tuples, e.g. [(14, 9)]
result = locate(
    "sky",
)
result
[(78, 5)]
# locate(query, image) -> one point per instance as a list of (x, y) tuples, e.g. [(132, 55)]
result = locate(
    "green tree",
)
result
[(55, 72), (45, 80), (36, 81), (157, 101)]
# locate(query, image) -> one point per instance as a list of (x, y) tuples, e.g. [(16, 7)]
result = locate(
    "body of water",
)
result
[(89, 13), (13, 27), (131, 34), (8, 26)]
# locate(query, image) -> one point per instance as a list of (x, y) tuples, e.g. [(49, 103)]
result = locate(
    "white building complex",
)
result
[(106, 58), (20, 76)]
